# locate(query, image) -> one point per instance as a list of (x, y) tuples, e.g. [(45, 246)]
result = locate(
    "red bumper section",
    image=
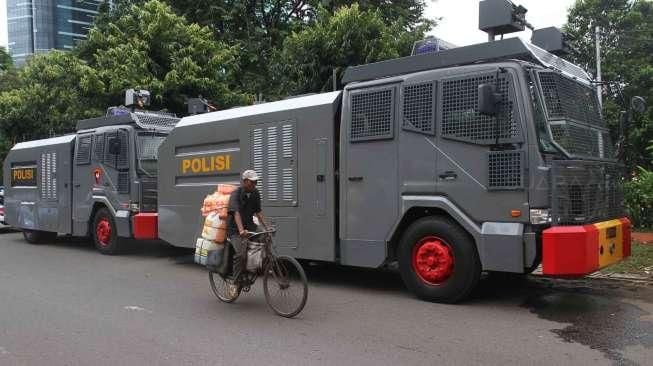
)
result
[(145, 226), (574, 251)]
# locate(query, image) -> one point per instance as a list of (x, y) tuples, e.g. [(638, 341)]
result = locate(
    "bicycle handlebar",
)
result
[(268, 231)]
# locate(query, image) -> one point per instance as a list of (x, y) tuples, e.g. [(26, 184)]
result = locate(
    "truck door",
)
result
[(82, 183), (368, 178)]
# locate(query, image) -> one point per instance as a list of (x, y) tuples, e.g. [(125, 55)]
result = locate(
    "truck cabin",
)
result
[(125, 145)]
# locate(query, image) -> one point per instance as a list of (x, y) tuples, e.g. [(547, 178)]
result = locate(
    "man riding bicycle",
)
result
[(244, 203), (284, 282)]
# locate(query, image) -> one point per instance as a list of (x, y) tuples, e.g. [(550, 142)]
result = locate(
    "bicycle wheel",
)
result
[(285, 286), (224, 289)]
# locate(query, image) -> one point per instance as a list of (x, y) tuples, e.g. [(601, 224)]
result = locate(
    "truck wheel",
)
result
[(37, 237), (438, 261), (105, 235)]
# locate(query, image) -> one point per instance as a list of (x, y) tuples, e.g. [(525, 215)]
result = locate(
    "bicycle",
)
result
[(284, 282)]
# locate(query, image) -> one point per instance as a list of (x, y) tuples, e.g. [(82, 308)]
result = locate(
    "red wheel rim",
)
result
[(433, 260), (103, 231)]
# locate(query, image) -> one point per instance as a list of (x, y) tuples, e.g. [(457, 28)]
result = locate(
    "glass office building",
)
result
[(36, 26)]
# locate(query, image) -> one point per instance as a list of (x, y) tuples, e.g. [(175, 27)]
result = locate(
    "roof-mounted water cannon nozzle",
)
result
[(551, 39), (501, 17), (199, 105), (137, 98)]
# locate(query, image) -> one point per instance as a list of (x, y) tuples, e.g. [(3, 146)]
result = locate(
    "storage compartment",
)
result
[(145, 226)]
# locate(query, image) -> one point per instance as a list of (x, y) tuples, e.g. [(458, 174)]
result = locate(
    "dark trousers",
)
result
[(240, 254)]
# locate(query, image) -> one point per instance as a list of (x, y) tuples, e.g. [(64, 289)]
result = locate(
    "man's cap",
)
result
[(250, 175)]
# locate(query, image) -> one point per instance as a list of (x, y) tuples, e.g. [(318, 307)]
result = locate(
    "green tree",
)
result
[(146, 45), (411, 12), (259, 27), (5, 60), (349, 37), (627, 59), (55, 90)]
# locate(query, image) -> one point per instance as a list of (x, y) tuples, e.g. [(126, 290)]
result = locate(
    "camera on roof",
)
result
[(137, 98)]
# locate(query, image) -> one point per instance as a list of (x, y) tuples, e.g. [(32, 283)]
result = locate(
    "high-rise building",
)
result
[(36, 26)]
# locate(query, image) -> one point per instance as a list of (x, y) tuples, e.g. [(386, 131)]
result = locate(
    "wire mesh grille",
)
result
[(505, 170), (372, 115), (123, 156), (123, 182), (418, 108), (608, 148), (577, 139), (148, 146), (159, 120), (109, 159), (98, 147), (83, 154), (148, 195), (571, 100), (586, 191), (461, 119)]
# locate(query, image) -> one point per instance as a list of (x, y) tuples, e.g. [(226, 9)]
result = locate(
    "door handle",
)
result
[(355, 179), (448, 175), (77, 185)]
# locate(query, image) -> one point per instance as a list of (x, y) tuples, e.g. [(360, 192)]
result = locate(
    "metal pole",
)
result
[(334, 75), (599, 88)]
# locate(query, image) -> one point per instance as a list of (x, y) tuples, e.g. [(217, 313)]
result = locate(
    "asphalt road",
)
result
[(65, 304)]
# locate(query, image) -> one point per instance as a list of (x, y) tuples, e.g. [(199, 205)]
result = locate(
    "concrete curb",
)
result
[(646, 278)]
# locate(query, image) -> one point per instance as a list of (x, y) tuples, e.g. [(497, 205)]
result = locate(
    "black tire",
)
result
[(454, 266), (224, 289), (284, 279), (38, 237), (105, 242)]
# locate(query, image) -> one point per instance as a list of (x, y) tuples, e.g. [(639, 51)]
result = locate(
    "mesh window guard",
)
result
[(372, 114), (418, 108), (461, 119)]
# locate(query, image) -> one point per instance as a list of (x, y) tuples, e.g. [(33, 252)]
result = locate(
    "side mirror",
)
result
[(638, 104), (488, 100), (114, 146)]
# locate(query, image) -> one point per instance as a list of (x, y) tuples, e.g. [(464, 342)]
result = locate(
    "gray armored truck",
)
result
[(491, 157), (98, 182)]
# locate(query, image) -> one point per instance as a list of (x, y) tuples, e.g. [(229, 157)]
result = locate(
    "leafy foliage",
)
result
[(259, 28), (639, 198), (149, 46), (55, 90), (5, 60), (349, 37), (627, 59)]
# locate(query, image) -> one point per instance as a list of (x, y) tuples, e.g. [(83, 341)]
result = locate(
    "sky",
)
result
[(459, 24)]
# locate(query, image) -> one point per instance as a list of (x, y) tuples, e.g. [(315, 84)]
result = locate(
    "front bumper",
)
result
[(145, 226), (582, 249)]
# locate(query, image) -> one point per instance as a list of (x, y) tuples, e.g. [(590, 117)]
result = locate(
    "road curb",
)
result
[(625, 277)]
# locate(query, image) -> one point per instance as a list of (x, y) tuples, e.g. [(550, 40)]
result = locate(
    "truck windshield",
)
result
[(573, 118), (147, 150)]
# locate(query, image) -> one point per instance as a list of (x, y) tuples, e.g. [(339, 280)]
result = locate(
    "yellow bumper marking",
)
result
[(610, 242)]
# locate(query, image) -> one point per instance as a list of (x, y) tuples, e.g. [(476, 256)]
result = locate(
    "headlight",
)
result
[(540, 216)]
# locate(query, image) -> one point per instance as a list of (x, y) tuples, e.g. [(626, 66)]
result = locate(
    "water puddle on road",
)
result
[(598, 320)]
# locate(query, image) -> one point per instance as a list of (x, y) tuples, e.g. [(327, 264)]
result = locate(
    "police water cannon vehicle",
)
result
[(489, 157), (98, 182)]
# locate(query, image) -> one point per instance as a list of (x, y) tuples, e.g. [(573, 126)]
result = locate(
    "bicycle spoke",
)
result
[(285, 287)]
